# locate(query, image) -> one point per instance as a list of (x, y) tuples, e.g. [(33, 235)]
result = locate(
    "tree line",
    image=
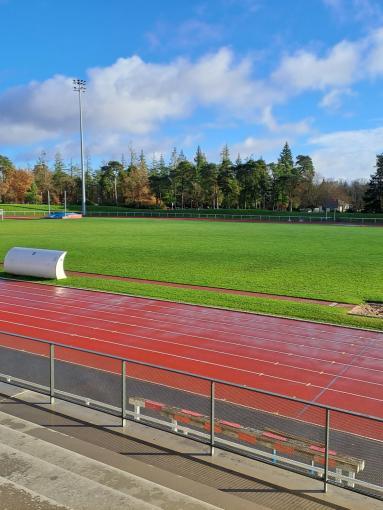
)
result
[(287, 184)]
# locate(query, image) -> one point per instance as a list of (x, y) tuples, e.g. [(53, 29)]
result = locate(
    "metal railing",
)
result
[(25, 213), (304, 218), (337, 446), (241, 217)]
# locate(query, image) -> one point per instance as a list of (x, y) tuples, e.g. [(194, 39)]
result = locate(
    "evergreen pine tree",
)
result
[(227, 181), (174, 158), (225, 156), (286, 159), (373, 198), (288, 177), (199, 158), (32, 196)]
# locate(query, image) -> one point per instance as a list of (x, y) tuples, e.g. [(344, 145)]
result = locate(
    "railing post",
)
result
[(212, 416), (52, 373), (327, 438), (123, 393)]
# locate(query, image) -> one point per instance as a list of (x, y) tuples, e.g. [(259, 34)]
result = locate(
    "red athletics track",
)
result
[(326, 364)]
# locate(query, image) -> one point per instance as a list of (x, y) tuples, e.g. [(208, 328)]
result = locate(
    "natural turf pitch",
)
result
[(329, 262)]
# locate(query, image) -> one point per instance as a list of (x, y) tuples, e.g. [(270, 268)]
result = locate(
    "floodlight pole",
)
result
[(79, 86)]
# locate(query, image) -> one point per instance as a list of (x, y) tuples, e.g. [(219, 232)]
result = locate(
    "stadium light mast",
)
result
[(79, 86)]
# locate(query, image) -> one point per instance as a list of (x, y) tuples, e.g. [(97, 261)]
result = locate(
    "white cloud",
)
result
[(188, 34), (374, 60), (104, 146), (333, 73), (22, 134), (250, 6), (280, 133), (306, 71), (347, 154), (367, 11), (37, 111), (133, 97), (334, 4), (292, 128), (257, 147), (339, 8), (333, 100)]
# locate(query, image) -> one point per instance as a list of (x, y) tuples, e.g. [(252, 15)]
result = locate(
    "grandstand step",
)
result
[(65, 479), (17, 497)]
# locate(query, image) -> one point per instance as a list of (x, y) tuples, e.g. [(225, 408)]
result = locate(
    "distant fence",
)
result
[(329, 219), (333, 445), (242, 217), (23, 214)]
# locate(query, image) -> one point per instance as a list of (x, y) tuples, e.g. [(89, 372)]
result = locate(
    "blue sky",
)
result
[(249, 73)]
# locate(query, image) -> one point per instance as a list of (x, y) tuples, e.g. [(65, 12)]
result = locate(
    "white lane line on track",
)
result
[(222, 366), (15, 395), (142, 319), (152, 351), (185, 390), (329, 385), (300, 344), (58, 301), (198, 361), (167, 322), (200, 319), (111, 300), (244, 317), (201, 348)]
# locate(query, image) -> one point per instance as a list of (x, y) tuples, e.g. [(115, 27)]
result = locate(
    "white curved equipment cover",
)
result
[(35, 262)]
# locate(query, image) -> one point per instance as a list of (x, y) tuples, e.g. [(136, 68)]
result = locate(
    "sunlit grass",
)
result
[(327, 262)]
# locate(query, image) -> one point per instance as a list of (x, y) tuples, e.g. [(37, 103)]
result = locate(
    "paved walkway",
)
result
[(88, 450), (38, 474)]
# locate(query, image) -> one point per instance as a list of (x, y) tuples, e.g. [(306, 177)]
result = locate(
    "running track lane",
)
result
[(326, 364)]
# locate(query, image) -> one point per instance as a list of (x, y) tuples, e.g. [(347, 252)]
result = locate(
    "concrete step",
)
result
[(75, 481), (16, 497)]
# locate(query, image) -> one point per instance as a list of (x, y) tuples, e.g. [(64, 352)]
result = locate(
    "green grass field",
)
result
[(326, 262)]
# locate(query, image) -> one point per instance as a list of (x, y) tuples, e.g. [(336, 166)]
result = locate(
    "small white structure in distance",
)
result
[(35, 262)]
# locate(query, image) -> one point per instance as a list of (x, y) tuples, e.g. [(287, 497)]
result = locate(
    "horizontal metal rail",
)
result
[(327, 476), (314, 218), (259, 217), (195, 376), (92, 403)]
